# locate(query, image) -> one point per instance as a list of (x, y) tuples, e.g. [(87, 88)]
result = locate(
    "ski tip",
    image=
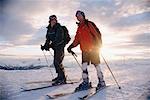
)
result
[(80, 98), (50, 97)]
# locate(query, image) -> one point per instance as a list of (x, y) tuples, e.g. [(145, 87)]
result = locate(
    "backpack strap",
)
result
[(87, 23), (99, 33)]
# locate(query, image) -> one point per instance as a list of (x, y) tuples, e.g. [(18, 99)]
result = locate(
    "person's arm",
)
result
[(76, 39), (47, 43), (74, 43)]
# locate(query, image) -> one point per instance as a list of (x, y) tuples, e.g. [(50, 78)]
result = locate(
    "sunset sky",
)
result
[(124, 24)]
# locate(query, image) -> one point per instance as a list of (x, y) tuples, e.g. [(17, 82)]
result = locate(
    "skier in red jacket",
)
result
[(89, 38)]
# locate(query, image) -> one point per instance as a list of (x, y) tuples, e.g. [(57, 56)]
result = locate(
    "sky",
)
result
[(124, 24)]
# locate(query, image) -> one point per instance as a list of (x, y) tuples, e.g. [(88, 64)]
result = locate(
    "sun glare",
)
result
[(109, 53)]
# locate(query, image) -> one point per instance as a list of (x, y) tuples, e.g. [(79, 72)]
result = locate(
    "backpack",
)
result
[(66, 35), (99, 41)]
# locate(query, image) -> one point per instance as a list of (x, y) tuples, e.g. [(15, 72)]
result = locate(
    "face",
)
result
[(79, 17), (52, 21)]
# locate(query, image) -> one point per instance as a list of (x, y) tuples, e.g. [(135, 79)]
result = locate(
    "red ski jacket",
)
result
[(84, 37)]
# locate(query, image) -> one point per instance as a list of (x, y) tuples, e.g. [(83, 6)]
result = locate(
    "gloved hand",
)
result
[(46, 47), (70, 51), (42, 47)]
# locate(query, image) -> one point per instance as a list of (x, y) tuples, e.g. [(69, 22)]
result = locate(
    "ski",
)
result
[(42, 85), (46, 81), (55, 96), (91, 93), (33, 82)]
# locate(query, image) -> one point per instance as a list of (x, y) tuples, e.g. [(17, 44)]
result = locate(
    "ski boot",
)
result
[(101, 85), (55, 79), (59, 81), (83, 86)]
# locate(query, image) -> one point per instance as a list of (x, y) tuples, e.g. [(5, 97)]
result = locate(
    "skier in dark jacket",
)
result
[(55, 40), (90, 42)]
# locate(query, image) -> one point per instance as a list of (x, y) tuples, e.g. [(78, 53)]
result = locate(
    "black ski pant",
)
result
[(58, 58)]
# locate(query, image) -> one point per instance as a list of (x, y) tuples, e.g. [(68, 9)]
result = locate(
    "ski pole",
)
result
[(51, 53), (74, 55), (111, 72), (48, 64)]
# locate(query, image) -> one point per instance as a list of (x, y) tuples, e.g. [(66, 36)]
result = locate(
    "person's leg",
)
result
[(85, 84), (58, 58), (85, 72), (99, 75), (55, 65), (95, 59)]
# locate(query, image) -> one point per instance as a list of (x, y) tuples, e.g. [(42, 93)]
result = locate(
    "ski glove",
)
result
[(46, 47), (42, 47), (70, 51)]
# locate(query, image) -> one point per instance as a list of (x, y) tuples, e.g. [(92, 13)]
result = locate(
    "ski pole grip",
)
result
[(73, 53)]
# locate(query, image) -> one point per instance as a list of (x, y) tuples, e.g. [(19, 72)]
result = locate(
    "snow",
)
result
[(131, 74)]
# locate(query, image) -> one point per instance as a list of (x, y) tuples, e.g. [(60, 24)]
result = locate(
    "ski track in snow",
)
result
[(133, 76)]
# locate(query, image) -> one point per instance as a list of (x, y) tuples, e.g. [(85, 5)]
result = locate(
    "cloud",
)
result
[(117, 15), (3, 3), (5, 45), (142, 18), (38, 38), (138, 41), (98, 10), (142, 40), (21, 19), (14, 28), (23, 22)]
